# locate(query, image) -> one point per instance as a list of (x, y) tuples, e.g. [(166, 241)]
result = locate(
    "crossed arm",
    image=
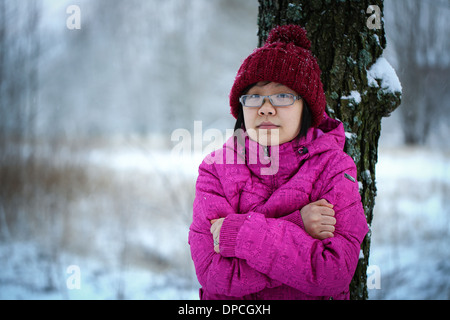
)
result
[(317, 217), (314, 249)]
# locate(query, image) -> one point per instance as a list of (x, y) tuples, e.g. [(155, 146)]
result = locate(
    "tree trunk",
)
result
[(347, 41)]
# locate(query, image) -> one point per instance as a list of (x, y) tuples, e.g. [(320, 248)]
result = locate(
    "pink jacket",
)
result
[(265, 253)]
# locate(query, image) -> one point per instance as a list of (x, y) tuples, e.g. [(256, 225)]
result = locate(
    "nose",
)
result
[(267, 108)]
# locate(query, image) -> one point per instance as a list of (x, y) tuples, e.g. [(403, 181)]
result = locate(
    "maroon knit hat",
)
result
[(285, 58)]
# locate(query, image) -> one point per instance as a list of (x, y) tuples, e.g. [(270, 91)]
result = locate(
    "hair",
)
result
[(305, 124)]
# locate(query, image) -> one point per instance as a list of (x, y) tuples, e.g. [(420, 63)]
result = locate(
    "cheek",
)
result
[(292, 122), (249, 118), (296, 123)]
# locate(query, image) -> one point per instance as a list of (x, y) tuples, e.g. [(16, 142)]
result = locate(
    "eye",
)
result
[(284, 95)]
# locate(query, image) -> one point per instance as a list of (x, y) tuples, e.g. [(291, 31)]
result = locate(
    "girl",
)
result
[(277, 214)]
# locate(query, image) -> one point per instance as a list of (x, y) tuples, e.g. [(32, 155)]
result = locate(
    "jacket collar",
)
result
[(286, 158)]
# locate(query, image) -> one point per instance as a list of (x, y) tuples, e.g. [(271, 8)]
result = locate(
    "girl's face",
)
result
[(269, 125)]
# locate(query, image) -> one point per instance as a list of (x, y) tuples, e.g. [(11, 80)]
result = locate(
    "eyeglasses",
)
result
[(277, 100)]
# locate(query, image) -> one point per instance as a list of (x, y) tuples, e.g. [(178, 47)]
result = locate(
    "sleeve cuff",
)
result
[(229, 232), (295, 218)]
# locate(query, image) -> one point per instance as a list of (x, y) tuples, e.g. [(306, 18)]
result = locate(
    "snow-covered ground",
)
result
[(411, 226), (126, 231)]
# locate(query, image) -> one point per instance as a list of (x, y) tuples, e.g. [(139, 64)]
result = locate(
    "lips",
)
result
[(267, 125)]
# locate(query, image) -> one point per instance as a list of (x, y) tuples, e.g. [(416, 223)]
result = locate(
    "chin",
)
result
[(268, 140)]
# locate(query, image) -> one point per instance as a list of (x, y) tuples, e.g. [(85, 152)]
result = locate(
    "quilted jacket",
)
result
[(265, 252)]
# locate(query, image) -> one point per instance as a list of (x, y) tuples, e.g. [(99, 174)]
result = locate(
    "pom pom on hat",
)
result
[(285, 58), (288, 34)]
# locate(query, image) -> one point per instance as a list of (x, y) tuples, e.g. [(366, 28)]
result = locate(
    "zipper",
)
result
[(267, 151), (272, 182)]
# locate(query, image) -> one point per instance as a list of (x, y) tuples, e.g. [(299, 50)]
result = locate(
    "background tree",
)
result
[(347, 41), (19, 53), (423, 63), (19, 86)]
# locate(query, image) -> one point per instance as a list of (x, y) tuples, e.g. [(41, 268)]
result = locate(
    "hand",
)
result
[(216, 225), (318, 219)]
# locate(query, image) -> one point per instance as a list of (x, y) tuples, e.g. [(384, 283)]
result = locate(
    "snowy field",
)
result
[(411, 226), (120, 214)]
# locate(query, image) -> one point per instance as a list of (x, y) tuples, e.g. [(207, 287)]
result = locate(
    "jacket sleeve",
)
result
[(217, 274), (283, 251)]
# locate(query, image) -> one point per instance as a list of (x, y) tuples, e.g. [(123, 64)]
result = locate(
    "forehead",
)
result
[(267, 85)]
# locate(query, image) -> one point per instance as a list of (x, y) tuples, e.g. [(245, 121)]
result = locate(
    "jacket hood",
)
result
[(285, 159), (329, 135)]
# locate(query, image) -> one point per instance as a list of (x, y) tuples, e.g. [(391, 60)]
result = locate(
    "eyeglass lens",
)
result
[(277, 100)]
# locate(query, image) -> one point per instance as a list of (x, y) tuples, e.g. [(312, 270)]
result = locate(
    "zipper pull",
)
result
[(266, 151)]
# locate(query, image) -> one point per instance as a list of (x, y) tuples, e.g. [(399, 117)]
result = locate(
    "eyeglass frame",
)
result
[(241, 100)]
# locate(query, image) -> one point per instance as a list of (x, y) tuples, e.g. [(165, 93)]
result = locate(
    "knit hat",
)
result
[(285, 58)]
